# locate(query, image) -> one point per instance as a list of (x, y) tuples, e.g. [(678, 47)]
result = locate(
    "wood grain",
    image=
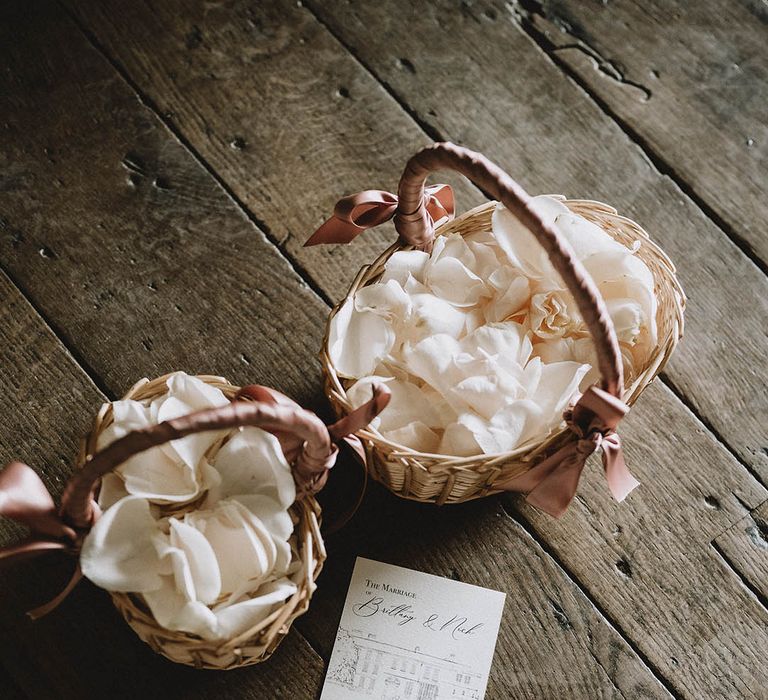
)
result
[(84, 649), (286, 117), (691, 79), (508, 114), (657, 575), (122, 239), (222, 258), (674, 497), (482, 83), (744, 547), (576, 653)]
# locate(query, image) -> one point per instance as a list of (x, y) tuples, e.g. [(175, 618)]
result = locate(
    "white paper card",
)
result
[(406, 635)]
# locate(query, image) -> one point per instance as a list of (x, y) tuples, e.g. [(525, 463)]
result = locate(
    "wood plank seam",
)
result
[(60, 336), (729, 564), (656, 162), (91, 376), (428, 129), (524, 11), (667, 381), (507, 504), (147, 102)]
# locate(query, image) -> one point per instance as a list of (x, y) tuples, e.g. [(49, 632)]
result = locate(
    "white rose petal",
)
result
[(407, 403), (404, 264), (202, 567), (415, 435), (358, 340), (489, 347), (235, 619), (118, 553), (244, 548), (252, 462), (430, 316), (388, 300), (459, 440)]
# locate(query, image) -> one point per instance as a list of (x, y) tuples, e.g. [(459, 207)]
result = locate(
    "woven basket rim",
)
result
[(257, 643), (527, 452)]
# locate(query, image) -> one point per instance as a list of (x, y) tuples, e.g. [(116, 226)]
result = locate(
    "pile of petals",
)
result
[(480, 343), (223, 566)]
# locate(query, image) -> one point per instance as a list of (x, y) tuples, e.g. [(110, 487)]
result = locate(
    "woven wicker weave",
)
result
[(445, 479), (256, 644)]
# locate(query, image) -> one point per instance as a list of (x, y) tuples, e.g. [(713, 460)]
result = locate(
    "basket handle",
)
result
[(415, 227), (315, 458)]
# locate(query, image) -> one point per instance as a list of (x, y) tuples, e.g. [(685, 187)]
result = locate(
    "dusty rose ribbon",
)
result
[(551, 484), (355, 213), (24, 497)]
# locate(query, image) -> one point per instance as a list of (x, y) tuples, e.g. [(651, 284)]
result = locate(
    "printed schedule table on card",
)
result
[(406, 635)]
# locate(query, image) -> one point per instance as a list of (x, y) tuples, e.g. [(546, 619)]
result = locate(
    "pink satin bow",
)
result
[(24, 497), (355, 213), (551, 484)]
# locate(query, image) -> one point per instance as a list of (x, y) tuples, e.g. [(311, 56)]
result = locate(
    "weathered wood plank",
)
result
[(656, 466), (657, 575), (691, 79), (745, 548), (481, 82), (84, 649), (576, 653), (127, 127), (146, 261), (287, 118)]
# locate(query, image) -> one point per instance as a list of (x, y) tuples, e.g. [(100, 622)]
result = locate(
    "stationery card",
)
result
[(406, 635)]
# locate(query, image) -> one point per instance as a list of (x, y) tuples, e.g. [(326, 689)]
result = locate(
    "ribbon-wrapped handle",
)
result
[(309, 446)]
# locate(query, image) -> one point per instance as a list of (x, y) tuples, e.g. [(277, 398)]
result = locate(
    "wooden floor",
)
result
[(162, 164)]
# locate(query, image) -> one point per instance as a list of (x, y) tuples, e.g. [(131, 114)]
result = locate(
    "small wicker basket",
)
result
[(445, 479), (256, 644)]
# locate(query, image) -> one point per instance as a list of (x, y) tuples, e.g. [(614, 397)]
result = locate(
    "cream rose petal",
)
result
[(203, 567), (430, 316), (521, 247), (407, 403), (243, 546), (174, 611), (252, 462), (450, 279), (404, 264), (415, 435), (514, 298), (358, 340), (118, 553), (237, 618), (459, 440), (385, 299), (430, 358)]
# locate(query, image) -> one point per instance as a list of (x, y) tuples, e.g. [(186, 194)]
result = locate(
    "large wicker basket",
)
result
[(256, 644), (445, 479)]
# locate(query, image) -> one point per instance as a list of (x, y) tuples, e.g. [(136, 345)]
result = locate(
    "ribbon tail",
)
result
[(356, 445), (335, 230), (551, 484), (363, 415), (51, 605), (620, 480), (30, 548), (555, 492)]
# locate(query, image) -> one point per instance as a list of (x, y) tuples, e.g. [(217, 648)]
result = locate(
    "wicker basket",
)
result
[(258, 643), (444, 479)]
